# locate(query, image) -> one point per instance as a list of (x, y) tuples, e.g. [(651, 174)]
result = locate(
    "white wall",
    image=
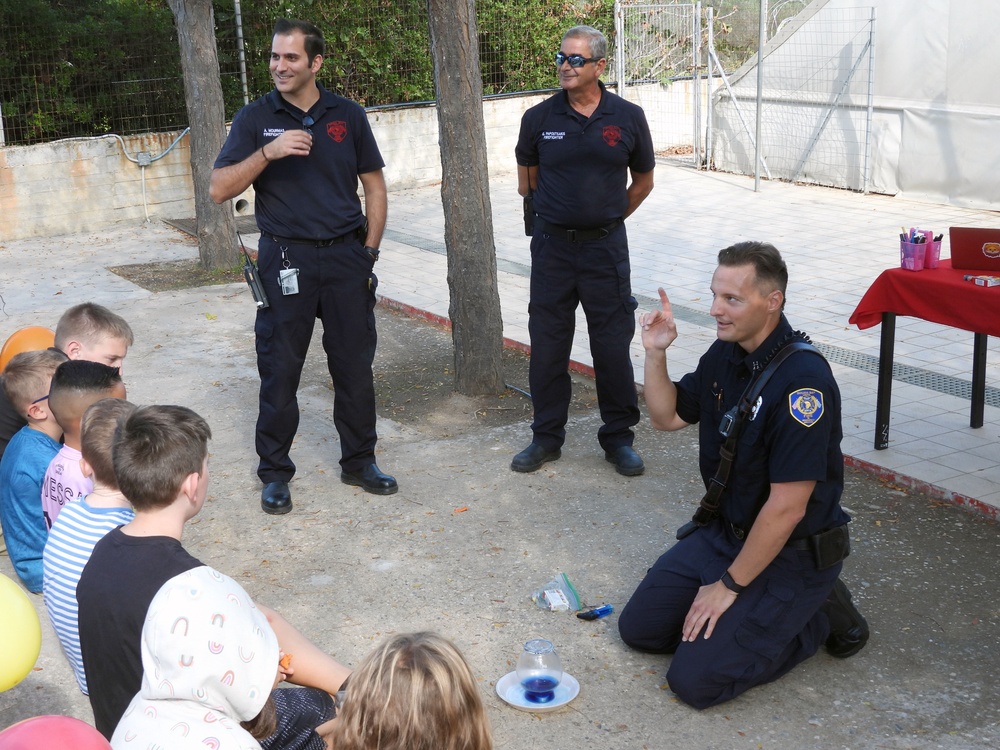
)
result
[(83, 184)]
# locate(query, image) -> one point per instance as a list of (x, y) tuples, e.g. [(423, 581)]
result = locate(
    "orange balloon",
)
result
[(30, 339), (52, 733)]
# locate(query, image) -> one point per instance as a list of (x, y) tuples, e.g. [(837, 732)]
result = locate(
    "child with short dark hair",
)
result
[(82, 524), (160, 457), (86, 331), (26, 383), (75, 386)]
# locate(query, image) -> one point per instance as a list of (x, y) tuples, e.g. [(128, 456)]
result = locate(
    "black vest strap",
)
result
[(708, 510)]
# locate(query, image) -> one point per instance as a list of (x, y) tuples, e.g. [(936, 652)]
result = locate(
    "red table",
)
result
[(939, 295)]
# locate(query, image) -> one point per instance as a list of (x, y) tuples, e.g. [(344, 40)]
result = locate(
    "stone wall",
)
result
[(82, 184)]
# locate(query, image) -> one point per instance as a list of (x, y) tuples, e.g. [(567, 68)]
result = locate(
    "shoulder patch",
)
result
[(806, 406)]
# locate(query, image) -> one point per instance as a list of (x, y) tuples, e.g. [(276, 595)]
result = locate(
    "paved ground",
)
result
[(350, 567)]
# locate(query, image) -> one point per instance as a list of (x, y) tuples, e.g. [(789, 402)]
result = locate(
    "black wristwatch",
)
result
[(729, 583), (372, 251)]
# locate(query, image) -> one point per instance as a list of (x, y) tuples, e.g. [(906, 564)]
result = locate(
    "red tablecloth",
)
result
[(939, 295)]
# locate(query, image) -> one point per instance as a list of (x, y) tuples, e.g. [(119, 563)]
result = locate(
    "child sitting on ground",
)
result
[(76, 385), (414, 692), (85, 331), (210, 660), (160, 458), (26, 383), (81, 524)]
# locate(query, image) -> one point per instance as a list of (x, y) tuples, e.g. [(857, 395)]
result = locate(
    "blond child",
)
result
[(26, 384), (414, 692), (85, 331)]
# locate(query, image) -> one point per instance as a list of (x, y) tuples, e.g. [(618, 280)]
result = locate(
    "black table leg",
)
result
[(883, 399), (978, 380)]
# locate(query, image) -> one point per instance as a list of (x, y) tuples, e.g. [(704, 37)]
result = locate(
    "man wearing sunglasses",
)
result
[(576, 154), (304, 149)]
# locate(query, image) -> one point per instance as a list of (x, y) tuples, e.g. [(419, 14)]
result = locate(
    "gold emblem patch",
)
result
[(806, 406)]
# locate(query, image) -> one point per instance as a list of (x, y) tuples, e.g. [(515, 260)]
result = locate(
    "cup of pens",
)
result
[(912, 254), (932, 253), (919, 249)]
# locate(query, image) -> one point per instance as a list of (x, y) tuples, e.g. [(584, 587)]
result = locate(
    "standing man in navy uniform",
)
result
[(304, 150), (742, 599), (575, 154)]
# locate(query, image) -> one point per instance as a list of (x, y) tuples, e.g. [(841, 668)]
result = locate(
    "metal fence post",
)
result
[(761, 41)]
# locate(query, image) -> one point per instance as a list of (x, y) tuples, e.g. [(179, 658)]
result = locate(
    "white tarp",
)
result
[(936, 97)]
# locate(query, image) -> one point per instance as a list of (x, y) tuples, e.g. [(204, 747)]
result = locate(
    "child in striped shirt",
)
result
[(81, 524)]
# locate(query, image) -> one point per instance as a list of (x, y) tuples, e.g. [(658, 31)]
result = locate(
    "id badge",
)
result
[(288, 279)]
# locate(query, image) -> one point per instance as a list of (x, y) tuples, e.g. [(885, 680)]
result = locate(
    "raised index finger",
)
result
[(665, 303)]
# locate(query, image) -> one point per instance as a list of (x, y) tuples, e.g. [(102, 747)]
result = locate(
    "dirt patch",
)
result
[(169, 275), (165, 276), (421, 392)]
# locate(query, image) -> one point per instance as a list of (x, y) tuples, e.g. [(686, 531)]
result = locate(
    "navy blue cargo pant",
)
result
[(336, 285), (596, 274), (772, 626)]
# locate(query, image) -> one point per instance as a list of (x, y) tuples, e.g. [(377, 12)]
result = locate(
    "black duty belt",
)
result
[(357, 234), (577, 235), (740, 533)]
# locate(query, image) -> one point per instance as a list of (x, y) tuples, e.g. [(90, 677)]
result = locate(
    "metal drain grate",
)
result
[(933, 381)]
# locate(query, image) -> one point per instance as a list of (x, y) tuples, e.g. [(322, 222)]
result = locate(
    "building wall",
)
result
[(82, 184)]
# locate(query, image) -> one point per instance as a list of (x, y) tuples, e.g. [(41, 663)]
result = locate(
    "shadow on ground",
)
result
[(462, 545)]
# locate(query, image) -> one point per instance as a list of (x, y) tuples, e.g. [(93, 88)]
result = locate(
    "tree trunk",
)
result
[(195, 21), (476, 322)]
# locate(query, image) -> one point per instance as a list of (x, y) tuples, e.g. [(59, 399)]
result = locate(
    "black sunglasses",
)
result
[(307, 123), (575, 61)]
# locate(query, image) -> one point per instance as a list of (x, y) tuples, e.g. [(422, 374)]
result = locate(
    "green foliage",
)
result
[(74, 69), (517, 39), (90, 67)]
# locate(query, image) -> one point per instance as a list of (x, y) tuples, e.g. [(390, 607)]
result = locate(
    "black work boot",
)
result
[(848, 629)]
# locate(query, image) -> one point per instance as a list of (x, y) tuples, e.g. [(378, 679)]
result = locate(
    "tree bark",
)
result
[(476, 321), (195, 21)]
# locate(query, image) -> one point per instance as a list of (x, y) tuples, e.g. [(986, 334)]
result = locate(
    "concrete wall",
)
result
[(83, 184)]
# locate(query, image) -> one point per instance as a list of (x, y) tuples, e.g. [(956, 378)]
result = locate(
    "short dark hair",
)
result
[(155, 448), (73, 382), (97, 433), (769, 268), (314, 43), (90, 322)]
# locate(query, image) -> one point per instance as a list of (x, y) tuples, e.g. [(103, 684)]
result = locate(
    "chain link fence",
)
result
[(93, 67)]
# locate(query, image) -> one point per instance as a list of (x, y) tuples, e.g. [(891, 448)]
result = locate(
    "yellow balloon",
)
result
[(20, 634)]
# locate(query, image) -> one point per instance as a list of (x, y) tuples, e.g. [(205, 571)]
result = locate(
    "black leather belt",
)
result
[(357, 234), (739, 533), (578, 235)]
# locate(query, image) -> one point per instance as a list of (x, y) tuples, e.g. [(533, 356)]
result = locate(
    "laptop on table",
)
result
[(975, 249)]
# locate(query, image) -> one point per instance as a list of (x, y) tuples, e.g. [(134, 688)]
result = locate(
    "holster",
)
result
[(529, 214), (830, 547)]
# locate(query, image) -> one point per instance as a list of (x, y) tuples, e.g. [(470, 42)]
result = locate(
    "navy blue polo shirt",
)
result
[(583, 162), (794, 436), (314, 196)]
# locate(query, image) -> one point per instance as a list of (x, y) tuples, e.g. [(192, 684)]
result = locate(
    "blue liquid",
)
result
[(539, 689)]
